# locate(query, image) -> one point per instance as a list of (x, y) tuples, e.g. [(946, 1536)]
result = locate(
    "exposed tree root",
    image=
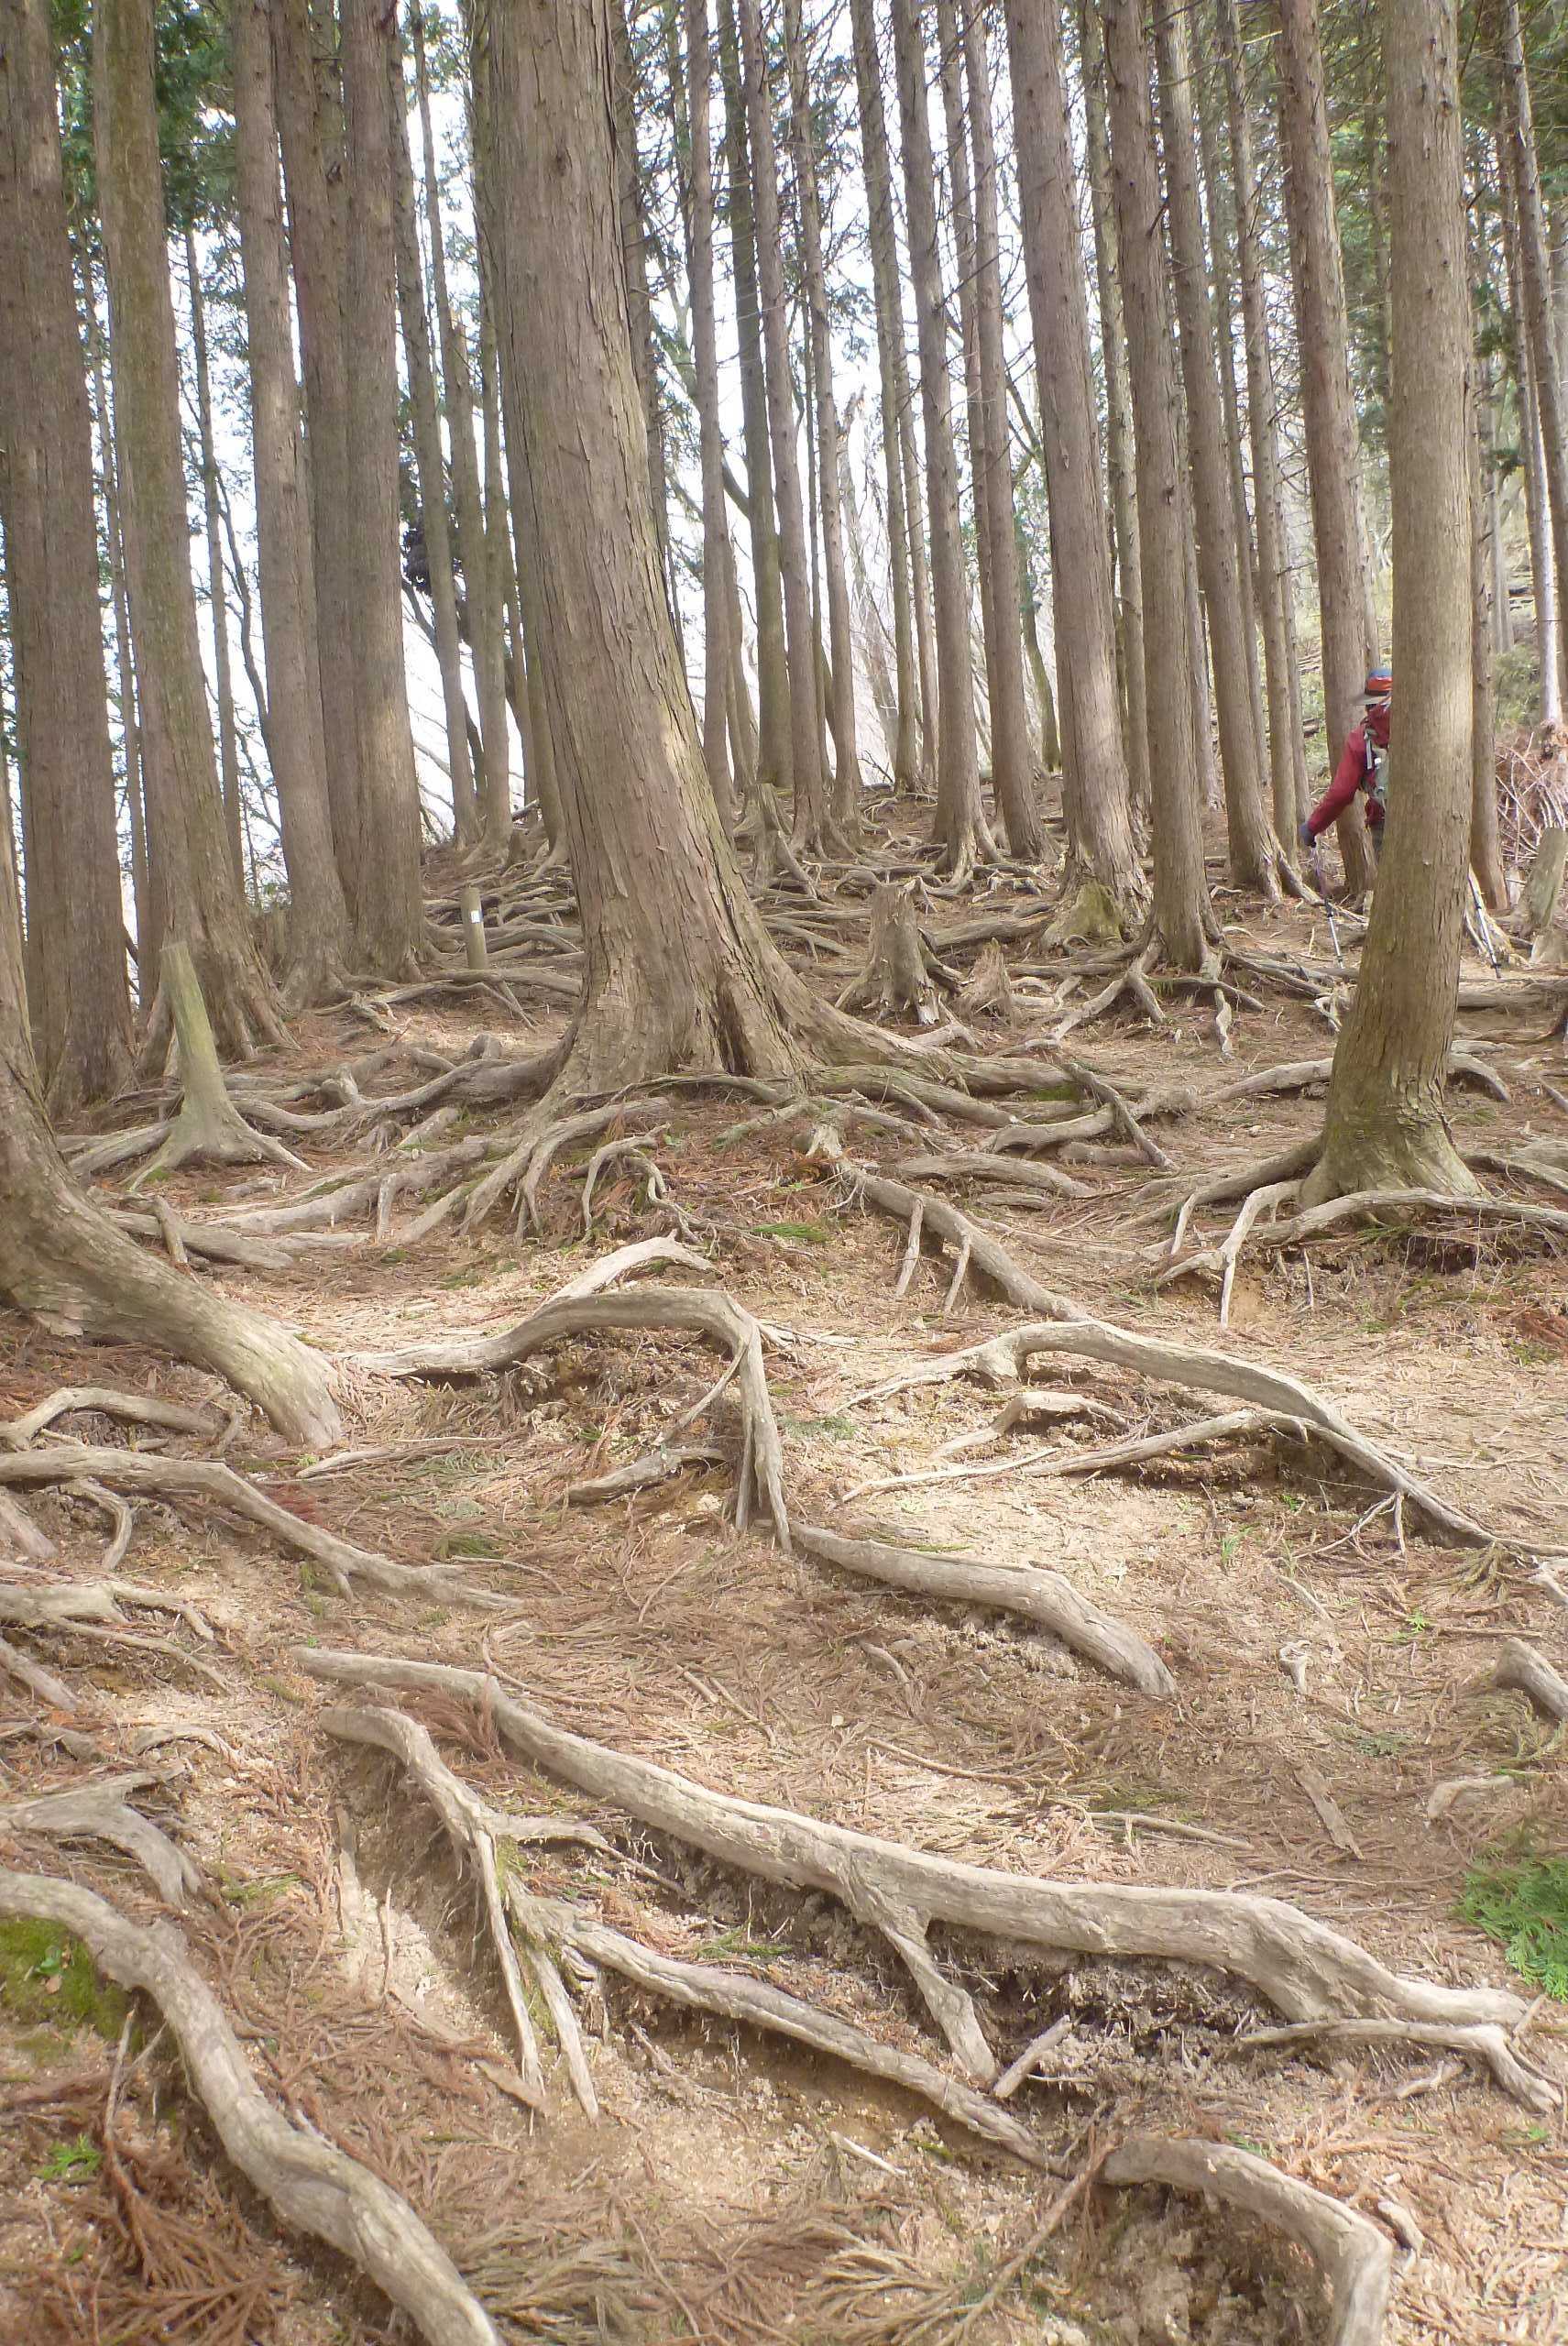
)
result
[(209, 1128), (1351, 2253), (1519, 1665), (21, 1536), (1013, 1179), (1485, 2042), (1304, 1969), (557, 1935), (974, 1248), (26, 1672), (1032, 1594), (901, 972), (101, 1812), (209, 1483), (134, 1408), (1279, 1404), (315, 2188)]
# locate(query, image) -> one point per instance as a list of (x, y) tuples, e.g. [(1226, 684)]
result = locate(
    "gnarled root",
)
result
[(1520, 1666), (1304, 1969), (315, 2188), (1353, 2254), (209, 1128), (101, 1812)]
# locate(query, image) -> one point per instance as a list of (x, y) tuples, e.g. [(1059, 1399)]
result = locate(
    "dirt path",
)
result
[(1335, 1741)]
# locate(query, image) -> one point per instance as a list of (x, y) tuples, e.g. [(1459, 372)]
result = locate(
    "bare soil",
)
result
[(735, 2189)]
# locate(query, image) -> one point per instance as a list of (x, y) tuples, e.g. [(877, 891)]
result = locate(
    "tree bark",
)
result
[(698, 213), (217, 600), (847, 783), (429, 463), (893, 375), (80, 1005), (775, 752), (1119, 456), (383, 875), (1521, 362), (1533, 272), (318, 934), (1386, 1124), (193, 883), (62, 1261), (1287, 760), (1327, 405), (958, 826), (1095, 794), (317, 252), (1251, 850), (1012, 755), (119, 596), (1180, 898), (634, 239), (678, 969), (483, 590), (1485, 849), (810, 823)]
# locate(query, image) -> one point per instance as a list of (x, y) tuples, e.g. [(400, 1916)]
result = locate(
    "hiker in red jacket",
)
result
[(1360, 767)]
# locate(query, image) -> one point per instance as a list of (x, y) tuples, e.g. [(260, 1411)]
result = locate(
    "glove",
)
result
[(1307, 837)]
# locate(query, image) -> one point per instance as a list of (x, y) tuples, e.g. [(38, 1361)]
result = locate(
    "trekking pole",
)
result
[(1483, 925), (1327, 904)]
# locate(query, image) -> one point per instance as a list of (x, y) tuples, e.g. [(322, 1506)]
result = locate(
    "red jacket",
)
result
[(1356, 771)]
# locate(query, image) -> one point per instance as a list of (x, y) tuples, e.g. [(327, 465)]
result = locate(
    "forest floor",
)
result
[(1332, 1664)]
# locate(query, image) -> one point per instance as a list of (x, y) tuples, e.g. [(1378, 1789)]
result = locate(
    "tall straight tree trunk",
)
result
[(810, 787), (81, 1007), (893, 375), (921, 593), (318, 939), (217, 600), (958, 825), (1251, 853), (1485, 849), (1012, 758), (680, 974), (1327, 405), (317, 252), (196, 897), (1386, 1124), (776, 753), (383, 878), (1551, 403), (483, 591), (1179, 901), (1119, 454), (119, 596), (705, 356), (634, 239), (429, 462), (1287, 760), (1521, 362), (959, 203), (1095, 795), (847, 784)]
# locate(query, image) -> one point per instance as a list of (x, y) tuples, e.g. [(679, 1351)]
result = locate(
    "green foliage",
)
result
[(74, 2162), (807, 1233), (1524, 1906), (46, 1976)]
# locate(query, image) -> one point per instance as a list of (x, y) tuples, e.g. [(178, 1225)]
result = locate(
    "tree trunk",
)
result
[(958, 826), (1012, 757), (698, 213), (1327, 405), (1095, 798), (1251, 850), (1386, 1125), (678, 969), (1533, 270), (847, 783), (1119, 456), (316, 251), (1285, 750), (80, 1005), (810, 823), (318, 936), (1179, 901), (217, 600), (483, 592), (893, 378), (775, 752), (119, 596), (193, 882), (1521, 364), (429, 463), (62, 1260), (383, 876), (634, 240), (1485, 849)]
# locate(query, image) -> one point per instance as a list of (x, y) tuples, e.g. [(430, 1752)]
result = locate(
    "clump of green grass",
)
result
[(1524, 1906), (46, 1976)]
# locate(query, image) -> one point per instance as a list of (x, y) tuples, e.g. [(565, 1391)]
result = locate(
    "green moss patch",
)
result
[(47, 1976), (1524, 1907)]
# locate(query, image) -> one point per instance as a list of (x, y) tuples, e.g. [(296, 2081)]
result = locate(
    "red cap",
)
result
[(1379, 683)]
